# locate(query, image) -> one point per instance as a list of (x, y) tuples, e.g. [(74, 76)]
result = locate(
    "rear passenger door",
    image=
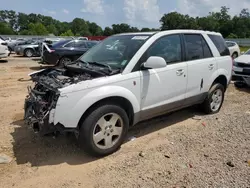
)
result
[(201, 66)]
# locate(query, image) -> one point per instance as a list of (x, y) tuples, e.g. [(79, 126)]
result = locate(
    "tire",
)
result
[(240, 84), (207, 106), (64, 61), (235, 55), (9, 48), (90, 127), (28, 53)]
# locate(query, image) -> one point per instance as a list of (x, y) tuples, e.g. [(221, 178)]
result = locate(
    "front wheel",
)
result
[(214, 99), (104, 130)]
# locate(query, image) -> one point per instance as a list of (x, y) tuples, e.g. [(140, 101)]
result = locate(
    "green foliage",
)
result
[(5, 29), (67, 33), (12, 22)]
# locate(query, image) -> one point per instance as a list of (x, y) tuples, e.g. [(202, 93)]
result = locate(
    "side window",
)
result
[(70, 44), (206, 50), (168, 47), (220, 44), (194, 48), (80, 44)]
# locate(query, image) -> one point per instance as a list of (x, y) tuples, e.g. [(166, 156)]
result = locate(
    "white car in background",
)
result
[(233, 48), (241, 70), (4, 52)]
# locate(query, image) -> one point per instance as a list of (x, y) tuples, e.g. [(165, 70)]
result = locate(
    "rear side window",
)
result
[(220, 44), (196, 47), (80, 44), (70, 44), (230, 44)]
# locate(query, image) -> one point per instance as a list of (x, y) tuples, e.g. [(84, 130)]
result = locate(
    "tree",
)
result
[(95, 29), (52, 29), (145, 30), (121, 28), (67, 33), (37, 29), (79, 26), (5, 29), (108, 31)]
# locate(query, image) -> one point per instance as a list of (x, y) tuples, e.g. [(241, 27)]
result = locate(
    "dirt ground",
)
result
[(182, 149)]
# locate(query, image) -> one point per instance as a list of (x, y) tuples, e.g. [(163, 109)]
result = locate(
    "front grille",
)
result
[(243, 65), (243, 73)]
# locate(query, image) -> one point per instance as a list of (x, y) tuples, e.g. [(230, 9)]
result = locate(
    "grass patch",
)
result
[(244, 48)]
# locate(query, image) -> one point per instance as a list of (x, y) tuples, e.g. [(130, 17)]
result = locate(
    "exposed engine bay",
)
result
[(42, 98)]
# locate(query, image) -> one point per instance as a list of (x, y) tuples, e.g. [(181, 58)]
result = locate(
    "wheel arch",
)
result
[(222, 79), (115, 100)]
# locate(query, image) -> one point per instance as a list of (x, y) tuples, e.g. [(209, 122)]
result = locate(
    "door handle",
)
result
[(180, 72), (211, 66)]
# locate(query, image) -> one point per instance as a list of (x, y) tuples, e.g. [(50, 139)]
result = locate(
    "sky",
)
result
[(139, 13)]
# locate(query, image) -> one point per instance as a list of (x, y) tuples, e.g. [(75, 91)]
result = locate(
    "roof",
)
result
[(172, 32)]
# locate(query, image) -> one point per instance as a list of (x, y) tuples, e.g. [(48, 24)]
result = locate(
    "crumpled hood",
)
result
[(243, 59)]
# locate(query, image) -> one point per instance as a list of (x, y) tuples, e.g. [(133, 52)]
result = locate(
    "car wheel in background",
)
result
[(235, 55), (104, 130), (64, 61), (240, 84), (28, 53)]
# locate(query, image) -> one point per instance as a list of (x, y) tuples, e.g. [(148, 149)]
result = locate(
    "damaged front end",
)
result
[(40, 103)]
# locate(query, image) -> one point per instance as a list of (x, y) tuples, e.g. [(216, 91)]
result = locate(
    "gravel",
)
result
[(183, 149)]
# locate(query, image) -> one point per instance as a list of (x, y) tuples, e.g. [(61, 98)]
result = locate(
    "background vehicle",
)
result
[(241, 70), (4, 52), (29, 49), (109, 89), (233, 48), (63, 52), (13, 43)]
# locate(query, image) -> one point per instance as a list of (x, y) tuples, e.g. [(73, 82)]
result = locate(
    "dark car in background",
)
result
[(66, 51)]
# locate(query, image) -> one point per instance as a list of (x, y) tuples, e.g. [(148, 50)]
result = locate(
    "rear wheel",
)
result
[(104, 130), (235, 55), (214, 99), (64, 61), (28, 52)]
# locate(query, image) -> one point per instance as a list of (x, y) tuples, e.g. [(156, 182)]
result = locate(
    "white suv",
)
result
[(4, 52), (106, 91)]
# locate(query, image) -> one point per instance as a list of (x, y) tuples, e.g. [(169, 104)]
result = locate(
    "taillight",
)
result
[(51, 51)]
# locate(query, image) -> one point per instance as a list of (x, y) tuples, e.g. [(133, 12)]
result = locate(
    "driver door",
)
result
[(164, 89)]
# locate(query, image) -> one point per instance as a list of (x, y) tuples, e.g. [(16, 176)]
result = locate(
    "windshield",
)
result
[(115, 51)]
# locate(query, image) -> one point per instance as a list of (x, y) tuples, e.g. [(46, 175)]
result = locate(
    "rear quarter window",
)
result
[(220, 44)]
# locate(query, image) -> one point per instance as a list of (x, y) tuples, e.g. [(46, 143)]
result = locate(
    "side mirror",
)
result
[(154, 62)]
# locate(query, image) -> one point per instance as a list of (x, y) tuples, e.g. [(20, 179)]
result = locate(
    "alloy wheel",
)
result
[(216, 100), (107, 131)]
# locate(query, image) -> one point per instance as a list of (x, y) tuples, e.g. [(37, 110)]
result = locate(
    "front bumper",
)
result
[(241, 75), (41, 123), (4, 55)]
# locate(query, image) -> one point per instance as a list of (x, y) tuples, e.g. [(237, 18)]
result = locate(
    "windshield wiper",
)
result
[(103, 65)]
